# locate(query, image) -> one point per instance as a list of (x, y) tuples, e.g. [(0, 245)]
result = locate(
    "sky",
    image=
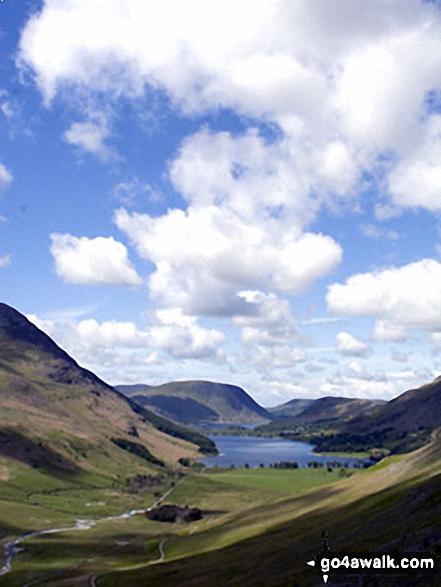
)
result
[(243, 191)]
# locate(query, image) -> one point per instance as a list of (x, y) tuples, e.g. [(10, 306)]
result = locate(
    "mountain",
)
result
[(133, 389), (315, 415), (326, 409), (199, 402), (291, 408), (57, 416), (402, 424), (413, 409)]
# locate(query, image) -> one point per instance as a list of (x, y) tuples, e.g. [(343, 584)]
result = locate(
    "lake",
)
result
[(238, 450)]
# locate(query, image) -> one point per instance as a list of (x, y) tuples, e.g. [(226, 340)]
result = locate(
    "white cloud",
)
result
[(436, 337), (108, 349), (110, 334), (183, 338), (98, 261), (378, 232), (86, 335), (275, 357), (416, 180), (343, 81), (348, 345), (5, 177), (89, 136), (269, 321), (405, 297), (243, 227), (5, 260), (388, 332)]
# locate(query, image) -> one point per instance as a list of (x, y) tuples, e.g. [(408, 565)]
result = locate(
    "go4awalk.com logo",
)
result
[(356, 563)]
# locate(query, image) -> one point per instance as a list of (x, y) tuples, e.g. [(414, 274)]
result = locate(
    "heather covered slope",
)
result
[(199, 402), (57, 415)]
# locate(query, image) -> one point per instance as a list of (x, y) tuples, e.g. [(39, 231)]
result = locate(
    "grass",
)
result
[(394, 506), (279, 480)]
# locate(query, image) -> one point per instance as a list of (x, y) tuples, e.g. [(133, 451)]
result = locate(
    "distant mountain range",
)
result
[(399, 425), (57, 416), (327, 409), (198, 403)]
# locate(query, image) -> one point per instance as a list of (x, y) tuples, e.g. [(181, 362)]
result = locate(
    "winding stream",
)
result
[(11, 548)]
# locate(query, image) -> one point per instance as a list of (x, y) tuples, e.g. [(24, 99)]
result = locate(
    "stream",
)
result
[(10, 548)]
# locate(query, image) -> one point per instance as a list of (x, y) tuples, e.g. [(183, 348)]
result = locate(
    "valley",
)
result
[(81, 462)]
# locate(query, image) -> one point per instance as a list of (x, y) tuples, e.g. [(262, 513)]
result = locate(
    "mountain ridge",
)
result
[(198, 402)]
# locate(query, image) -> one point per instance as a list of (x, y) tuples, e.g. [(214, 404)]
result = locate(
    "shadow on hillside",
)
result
[(9, 530), (14, 445)]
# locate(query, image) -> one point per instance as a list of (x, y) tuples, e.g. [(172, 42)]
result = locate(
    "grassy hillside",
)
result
[(199, 402), (57, 416), (395, 506)]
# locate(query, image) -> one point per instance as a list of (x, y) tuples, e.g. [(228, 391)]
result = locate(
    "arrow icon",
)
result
[(325, 578), (311, 563)]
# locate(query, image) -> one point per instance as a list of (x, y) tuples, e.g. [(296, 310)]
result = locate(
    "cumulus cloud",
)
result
[(344, 82), (85, 335), (406, 297), (89, 136), (269, 322), (349, 345), (97, 261), (243, 229), (183, 338)]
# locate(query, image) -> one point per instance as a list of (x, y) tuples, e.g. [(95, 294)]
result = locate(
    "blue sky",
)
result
[(246, 191)]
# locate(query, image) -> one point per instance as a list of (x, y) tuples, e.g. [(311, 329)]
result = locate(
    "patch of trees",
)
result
[(286, 465), (396, 441), (137, 449), (142, 482), (174, 513)]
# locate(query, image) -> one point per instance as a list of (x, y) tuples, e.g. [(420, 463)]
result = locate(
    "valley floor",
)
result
[(260, 527)]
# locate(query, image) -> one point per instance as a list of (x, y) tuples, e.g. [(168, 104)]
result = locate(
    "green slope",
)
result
[(395, 506)]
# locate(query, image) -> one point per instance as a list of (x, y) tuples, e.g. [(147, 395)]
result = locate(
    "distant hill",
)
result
[(291, 408), (402, 424), (56, 415), (198, 402), (133, 389), (326, 409), (409, 411)]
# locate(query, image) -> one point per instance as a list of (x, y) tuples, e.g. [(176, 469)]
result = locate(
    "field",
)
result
[(50, 559), (280, 480)]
